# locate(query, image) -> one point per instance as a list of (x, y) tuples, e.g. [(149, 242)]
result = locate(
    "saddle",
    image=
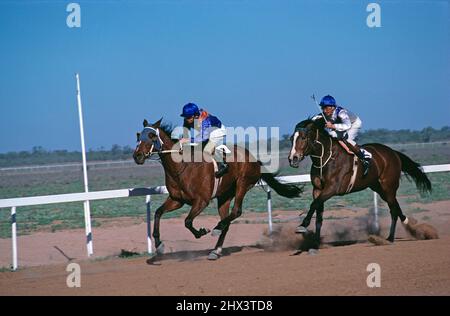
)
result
[(221, 149)]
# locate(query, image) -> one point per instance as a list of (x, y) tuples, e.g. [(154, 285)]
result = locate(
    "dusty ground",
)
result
[(408, 267)]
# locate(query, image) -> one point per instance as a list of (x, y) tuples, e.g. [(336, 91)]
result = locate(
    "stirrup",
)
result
[(366, 165), (222, 170)]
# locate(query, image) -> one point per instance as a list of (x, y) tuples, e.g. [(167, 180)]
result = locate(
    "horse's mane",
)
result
[(166, 128), (317, 123)]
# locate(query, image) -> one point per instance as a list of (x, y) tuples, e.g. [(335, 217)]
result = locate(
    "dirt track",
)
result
[(408, 267)]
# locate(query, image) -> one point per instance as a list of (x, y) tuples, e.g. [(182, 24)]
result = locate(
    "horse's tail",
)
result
[(283, 189), (414, 170)]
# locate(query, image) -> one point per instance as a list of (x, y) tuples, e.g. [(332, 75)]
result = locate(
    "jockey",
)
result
[(343, 124), (209, 129)]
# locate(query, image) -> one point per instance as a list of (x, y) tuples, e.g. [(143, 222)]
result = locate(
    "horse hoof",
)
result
[(313, 252), (301, 230), (213, 255), (204, 231), (160, 249), (152, 260), (216, 232)]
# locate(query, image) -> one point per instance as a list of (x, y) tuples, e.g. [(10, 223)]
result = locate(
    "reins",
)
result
[(166, 151), (322, 153)]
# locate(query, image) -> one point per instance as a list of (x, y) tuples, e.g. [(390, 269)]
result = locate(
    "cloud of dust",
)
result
[(420, 231), (283, 237)]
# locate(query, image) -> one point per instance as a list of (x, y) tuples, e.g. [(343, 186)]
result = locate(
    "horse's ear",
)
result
[(145, 123), (158, 123), (138, 136)]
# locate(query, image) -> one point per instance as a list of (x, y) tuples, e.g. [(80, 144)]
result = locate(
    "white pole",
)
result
[(14, 238), (269, 209), (375, 210), (87, 210), (148, 199)]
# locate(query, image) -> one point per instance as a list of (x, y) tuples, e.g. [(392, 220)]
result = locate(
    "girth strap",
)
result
[(217, 181), (353, 178)]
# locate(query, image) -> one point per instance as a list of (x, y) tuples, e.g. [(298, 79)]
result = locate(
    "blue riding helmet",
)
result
[(190, 109), (328, 100)]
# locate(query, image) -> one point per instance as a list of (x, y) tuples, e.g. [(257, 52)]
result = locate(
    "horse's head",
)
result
[(148, 142), (303, 140)]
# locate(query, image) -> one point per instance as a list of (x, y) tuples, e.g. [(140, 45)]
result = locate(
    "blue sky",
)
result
[(251, 63)]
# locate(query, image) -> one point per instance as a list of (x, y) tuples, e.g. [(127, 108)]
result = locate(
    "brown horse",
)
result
[(332, 171), (193, 183)]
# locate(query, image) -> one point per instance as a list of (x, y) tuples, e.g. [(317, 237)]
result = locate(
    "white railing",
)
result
[(13, 203)]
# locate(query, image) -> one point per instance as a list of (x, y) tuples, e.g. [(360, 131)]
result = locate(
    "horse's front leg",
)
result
[(302, 228), (319, 220), (316, 206), (197, 207), (167, 206)]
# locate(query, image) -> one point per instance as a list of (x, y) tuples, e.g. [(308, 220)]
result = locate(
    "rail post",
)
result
[(148, 200), (14, 238)]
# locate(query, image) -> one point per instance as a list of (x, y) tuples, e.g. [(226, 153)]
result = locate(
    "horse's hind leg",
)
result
[(396, 212), (196, 209), (389, 195), (167, 206), (241, 190), (224, 207)]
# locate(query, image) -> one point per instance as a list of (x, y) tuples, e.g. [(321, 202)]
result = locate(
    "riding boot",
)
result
[(365, 161), (360, 154), (223, 167)]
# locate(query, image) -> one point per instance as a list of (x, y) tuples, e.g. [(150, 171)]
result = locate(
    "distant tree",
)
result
[(427, 134), (116, 149), (39, 155)]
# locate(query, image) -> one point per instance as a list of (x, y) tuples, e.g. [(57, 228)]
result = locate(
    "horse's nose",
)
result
[(138, 158), (294, 161)]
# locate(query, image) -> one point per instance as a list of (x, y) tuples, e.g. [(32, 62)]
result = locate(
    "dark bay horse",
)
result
[(332, 171), (193, 183)]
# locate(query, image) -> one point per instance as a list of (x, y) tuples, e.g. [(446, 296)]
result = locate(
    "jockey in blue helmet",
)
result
[(343, 124), (209, 129)]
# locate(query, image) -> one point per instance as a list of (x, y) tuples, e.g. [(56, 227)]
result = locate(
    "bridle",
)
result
[(322, 153), (159, 143), (155, 131)]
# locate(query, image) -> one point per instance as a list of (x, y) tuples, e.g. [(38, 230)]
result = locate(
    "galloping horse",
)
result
[(194, 183), (333, 172)]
